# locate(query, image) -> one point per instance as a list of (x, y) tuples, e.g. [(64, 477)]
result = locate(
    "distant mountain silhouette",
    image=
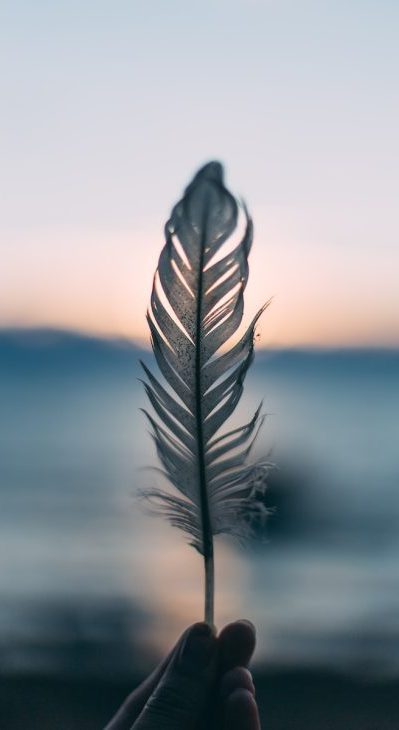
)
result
[(348, 361), (42, 350), (50, 349)]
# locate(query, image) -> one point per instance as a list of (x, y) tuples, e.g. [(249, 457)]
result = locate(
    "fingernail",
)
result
[(198, 648)]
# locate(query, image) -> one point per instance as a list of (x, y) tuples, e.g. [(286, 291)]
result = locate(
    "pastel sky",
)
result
[(109, 108)]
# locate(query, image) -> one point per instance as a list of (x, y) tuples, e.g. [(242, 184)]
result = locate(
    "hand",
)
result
[(204, 682)]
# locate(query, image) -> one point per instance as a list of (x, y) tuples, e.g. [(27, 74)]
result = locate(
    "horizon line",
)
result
[(48, 330)]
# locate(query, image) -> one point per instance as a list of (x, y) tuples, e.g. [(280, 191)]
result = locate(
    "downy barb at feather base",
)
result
[(196, 306)]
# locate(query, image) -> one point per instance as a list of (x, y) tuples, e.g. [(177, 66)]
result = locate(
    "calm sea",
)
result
[(82, 567)]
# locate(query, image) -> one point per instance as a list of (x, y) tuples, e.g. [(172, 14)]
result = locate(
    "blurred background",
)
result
[(107, 113)]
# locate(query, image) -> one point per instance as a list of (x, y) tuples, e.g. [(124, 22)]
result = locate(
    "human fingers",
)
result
[(237, 678), (134, 703), (236, 644), (184, 691), (241, 711)]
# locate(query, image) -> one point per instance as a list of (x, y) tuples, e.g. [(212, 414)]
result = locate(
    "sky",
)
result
[(109, 108)]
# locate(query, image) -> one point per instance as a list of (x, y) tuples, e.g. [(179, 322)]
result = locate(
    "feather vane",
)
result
[(216, 490)]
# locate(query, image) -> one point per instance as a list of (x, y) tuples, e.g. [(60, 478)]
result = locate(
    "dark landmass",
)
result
[(41, 350), (289, 700)]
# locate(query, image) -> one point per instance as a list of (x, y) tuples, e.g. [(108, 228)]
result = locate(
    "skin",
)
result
[(203, 684)]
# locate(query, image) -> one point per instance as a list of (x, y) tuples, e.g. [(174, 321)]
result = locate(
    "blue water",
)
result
[(80, 561)]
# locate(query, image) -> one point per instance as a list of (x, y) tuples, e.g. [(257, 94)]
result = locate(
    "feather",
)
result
[(196, 306)]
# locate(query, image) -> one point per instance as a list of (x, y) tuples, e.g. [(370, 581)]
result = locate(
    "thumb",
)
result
[(186, 687)]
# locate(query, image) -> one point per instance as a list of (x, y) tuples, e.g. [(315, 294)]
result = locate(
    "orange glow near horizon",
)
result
[(100, 283), (303, 118)]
